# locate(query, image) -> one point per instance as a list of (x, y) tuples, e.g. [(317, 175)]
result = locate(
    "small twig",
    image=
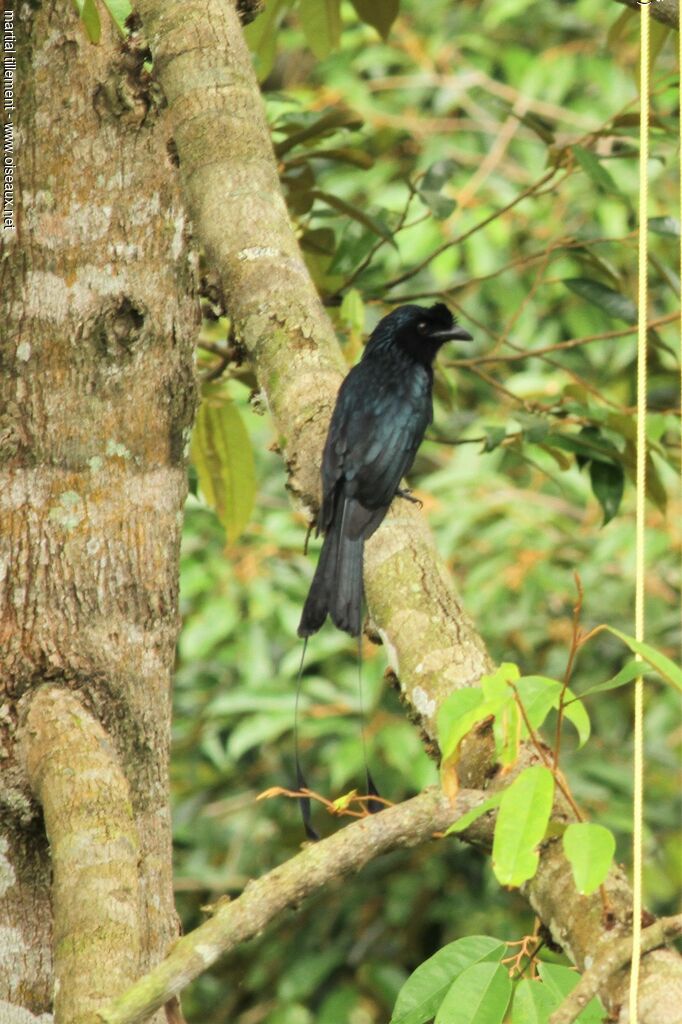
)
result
[(540, 748), (573, 650), (560, 346), (477, 227), (362, 266), (617, 955)]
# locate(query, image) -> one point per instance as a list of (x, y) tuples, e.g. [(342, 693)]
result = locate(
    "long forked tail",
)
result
[(337, 584)]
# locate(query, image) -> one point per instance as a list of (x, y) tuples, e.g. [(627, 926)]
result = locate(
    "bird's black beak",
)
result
[(452, 334)]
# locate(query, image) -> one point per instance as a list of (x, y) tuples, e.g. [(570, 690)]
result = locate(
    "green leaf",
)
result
[(507, 733), (480, 995), (255, 731), (590, 849), (340, 154), (666, 668), (538, 694), (321, 22), (90, 18), (608, 300), (261, 35), (440, 206), (364, 218), (423, 992), (353, 310), (475, 813), (380, 14), (496, 684), (631, 671), (438, 174), (608, 483), (494, 436), (321, 125), (576, 713), (321, 241), (592, 167), (533, 1003), (521, 824), (535, 428), (665, 226), (429, 188), (223, 457), (560, 982), (119, 11), (456, 716)]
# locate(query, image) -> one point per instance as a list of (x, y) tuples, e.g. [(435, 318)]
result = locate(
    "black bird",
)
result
[(382, 411)]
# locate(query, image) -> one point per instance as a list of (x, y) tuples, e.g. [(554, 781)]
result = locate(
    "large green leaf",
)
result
[(456, 716), (380, 14), (423, 992), (521, 824), (480, 995), (89, 15), (560, 981), (222, 455), (119, 11), (590, 849), (261, 35), (321, 21), (539, 694), (533, 1003)]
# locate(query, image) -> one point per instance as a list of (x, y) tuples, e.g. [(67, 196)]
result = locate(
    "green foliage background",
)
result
[(471, 104)]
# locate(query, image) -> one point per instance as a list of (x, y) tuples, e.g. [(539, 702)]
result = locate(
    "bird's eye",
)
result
[(422, 327)]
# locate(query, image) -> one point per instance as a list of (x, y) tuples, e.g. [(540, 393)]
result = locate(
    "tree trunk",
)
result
[(96, 403)]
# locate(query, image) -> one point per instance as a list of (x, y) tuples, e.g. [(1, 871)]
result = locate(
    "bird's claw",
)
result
[(406, 493)]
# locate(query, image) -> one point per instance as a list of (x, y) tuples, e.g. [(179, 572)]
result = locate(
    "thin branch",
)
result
[(471, 231), (561, 346), (573, 650), (617, 955), (348, 850)]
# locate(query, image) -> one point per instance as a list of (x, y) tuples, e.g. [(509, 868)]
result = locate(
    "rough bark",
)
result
[(96, 402), (230, 181), (85, 799)]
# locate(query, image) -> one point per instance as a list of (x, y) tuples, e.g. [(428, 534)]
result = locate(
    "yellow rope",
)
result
[(643, 258)]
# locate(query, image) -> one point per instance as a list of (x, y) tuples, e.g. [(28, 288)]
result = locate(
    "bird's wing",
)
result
[(378, 424)]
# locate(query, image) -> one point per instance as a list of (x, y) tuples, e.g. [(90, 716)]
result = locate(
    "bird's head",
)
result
[(418, 331)]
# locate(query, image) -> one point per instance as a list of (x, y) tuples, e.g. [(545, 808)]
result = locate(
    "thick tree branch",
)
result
[(617, 956), (665, 11), (346, 851), (230, 179), (85, 798)]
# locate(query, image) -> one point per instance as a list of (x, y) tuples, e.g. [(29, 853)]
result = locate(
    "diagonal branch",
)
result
[(346, 851)]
